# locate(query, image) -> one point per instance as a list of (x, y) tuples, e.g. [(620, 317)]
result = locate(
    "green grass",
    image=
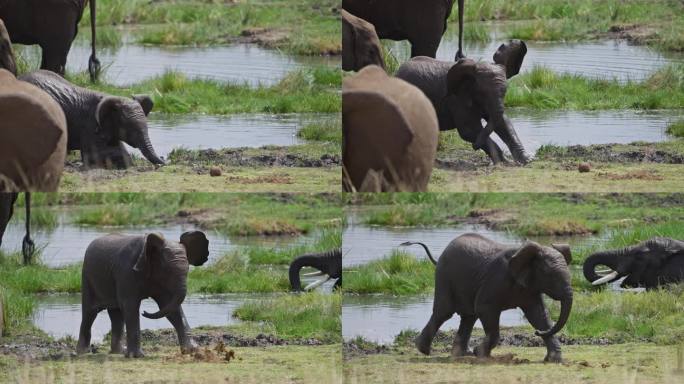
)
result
[(327, 131), (399, 274), (676, 128), (327, 240), (308, 315), (305, 27)]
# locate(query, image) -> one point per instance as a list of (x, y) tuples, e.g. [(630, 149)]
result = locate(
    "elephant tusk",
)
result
[(317, 273), (605, 278), (603, 272), (316, 283)]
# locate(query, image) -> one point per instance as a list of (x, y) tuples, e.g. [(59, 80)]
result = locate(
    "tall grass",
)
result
[(327, 240), (676, 128), (398, 274), (308, 315), (329, 131)]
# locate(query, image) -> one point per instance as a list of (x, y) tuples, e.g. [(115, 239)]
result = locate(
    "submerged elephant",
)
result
[(120, 271), (479, 278), (465, 92), (52, 24), (649, 264), (98, 123), (33, 138), (390, 134), (422, 23), (360, 44), (328, 264)]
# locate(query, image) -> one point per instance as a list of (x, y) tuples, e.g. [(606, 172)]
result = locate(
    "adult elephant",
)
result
[(120, 271), (467, 91), (328, 264), (98, 123), (649, 264), (33, 138), (390, 134), (479, 278), (422, 23), (51, 24), (360, 43)]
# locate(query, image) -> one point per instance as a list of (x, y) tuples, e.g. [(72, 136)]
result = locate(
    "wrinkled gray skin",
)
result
[(51, 24), (6, 54), (479, 278), (98, 123), (329, 265), (422, 22), (649, 264), (360, 44), (120, 271), (465, 92)]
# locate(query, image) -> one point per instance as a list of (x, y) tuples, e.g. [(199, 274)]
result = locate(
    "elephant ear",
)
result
[(564, 249), (196, 247), (461, 75), (510, 56), (145, 102), (154, 244), (108, 116), (520, 263)]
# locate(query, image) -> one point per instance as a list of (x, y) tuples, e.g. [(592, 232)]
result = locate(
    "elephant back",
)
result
[(32, 139), (390, 127)]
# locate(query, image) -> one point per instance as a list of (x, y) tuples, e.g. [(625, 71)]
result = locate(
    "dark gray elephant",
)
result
[(7, 60), (7, 201), (649, 264), (422, 23), (360, 43), (479, 278), (98, 123), (120, 271), (465, 92), (52, 24), (328, 264)]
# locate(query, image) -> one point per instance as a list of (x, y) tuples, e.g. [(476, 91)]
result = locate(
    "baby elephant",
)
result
[(99, 124), (390, 134), (119, 271), (479, 278)]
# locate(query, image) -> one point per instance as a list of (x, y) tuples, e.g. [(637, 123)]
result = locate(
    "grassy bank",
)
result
[(655, 22), (302, 364), (304, 27)]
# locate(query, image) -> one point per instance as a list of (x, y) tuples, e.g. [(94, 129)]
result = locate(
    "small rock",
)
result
[(584, 167), (215, 171)]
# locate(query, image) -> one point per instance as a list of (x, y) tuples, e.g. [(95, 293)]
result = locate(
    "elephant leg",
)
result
[(490, 322), (460, 347), (538, 317), (442, 311), (180, 324), (116, 317), (87, 318), (504, 128), (54, 56), (423, 49), (131, 314), (489, 147)]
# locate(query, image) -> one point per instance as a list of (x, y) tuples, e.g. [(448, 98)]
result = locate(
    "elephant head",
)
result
[(165, 264), (360, 43), (481, 87), (328, 264), (122, 119), (633, 261), (6, 54), (545, 269)]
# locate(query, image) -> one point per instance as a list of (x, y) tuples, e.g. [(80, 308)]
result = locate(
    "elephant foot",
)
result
[(553, 357), (138, 353), (189, 348), (423, 347), (82, 349), (481, 351), (460, 352), (116, 350)]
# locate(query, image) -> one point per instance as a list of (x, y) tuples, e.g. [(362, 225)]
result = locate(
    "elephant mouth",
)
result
[(325, 278), (605, 276)]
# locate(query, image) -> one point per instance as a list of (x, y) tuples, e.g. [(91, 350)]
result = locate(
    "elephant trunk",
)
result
[(328, 263), (172, 306), (608, 258), (148, 151), (566, 306)]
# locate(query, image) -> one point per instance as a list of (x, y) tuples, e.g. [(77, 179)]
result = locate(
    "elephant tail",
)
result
[(93, 63), (427, 250)]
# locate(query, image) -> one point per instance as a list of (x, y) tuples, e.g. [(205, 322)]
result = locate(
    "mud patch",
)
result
[(611, 153), (633, 33), (275, 157), (358, 347), (212, 337), (39, 348), (218, 353), (265, 37)]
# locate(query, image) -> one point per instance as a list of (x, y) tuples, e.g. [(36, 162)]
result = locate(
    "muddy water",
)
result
[(60, 315), (536, 128), (596, 59), (242, 63), (66, 244), (362, 244), (380, 318), (203, 132)]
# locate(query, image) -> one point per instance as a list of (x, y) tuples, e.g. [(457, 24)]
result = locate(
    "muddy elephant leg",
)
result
[(490, 322), (489, 147), (131, 315), (442, 310), (87, 319), (180, 324), (116, 317), (504, 128), (460, 346), (538, 317)]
